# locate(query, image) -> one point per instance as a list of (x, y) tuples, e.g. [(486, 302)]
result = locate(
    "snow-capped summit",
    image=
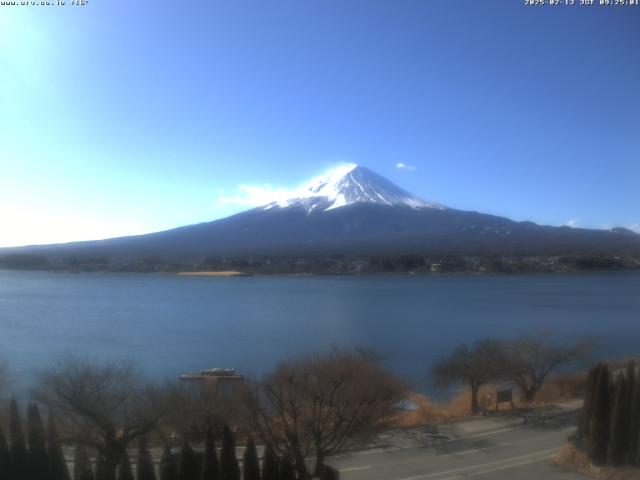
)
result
[(348, 185)]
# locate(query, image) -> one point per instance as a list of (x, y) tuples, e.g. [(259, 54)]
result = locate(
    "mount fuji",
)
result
[(350, 185), (350, 211)]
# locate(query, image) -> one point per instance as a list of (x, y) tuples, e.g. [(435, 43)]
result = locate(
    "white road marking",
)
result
[(497, 469), (493, 432), (448, 440), (419, 445), (482, 449), (501, 464), (512, 465), (461, 452), (376, 450), (354, 469)]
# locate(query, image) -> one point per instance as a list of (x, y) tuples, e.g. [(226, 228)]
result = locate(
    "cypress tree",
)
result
[(19, 456), (634, 424), (270, 468), (125, 472), (229, 468), (210, 467), (599, 426), (188, 468), (82, 464), (619, 436), (5, 457), (38, 457), (331, 473), (631, 380), (250, 465), (144, 469), (168, 465), (57, 464), (286, 469), (101, 468), (587, 408)]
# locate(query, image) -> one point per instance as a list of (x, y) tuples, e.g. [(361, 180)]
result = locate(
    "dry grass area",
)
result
[(576, 460), (429, 411), (225, 273), (561, 388)]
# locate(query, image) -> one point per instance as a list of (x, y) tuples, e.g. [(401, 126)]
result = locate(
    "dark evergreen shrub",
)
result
[(188, 467), (38, 457), (210, 466), (101, 468), (587, 408), (5, 456), (250, 465), (617, 450), (634, 409), (144, 469), (19, 456), (229, 468), (82, 464), (57, 464), (270, 464), (168, 465), (125, 472), (331, 473), (599, 426), (286, 469)]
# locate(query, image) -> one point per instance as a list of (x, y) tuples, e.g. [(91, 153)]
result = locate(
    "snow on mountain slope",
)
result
[(348, 185)]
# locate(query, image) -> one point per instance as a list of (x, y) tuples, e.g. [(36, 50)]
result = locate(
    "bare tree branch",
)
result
[(470, 365), (102, 405), (529, 359), (320, 404)]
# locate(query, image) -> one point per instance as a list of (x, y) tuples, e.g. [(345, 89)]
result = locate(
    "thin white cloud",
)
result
[(572, 222), (404, 166), (256, 195), (634, 226)]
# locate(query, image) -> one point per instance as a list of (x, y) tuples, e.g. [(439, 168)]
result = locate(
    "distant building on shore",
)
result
[(223, 381)]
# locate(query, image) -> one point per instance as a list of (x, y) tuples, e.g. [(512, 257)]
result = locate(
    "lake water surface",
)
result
[(171, 325)]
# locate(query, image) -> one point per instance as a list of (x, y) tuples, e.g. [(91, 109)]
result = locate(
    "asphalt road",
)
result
[(514, 448)]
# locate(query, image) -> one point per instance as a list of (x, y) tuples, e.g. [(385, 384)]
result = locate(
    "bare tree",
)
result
[(472, 366), (102, 405), (196, 408), (531, 358), (318, 405)]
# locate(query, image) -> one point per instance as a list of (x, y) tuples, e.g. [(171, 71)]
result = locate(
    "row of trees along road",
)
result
[(610, 423), (525, 361), (43, 459), (302, 412)]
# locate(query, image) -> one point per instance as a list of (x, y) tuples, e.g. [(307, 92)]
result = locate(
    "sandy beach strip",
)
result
[(226, 273)]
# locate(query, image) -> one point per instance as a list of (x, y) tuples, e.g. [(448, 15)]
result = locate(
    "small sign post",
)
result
[(503, 396)]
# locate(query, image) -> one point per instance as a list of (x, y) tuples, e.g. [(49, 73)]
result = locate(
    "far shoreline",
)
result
[(392, 265), (223, 273), (412, 274)]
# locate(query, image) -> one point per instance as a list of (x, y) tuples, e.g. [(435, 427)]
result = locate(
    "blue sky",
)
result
[(126, 117)]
